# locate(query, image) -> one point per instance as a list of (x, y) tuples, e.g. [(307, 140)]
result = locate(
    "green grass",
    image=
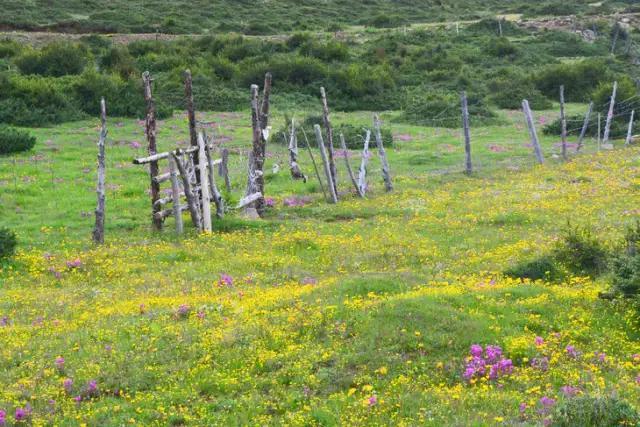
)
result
[(331, 304)]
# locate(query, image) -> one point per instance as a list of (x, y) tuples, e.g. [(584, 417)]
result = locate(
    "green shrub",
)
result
[(581, 252), (580, 80), (625, 265), (15, 141), (442, 109), (588, 411), (619, 126), (8, 243), (54, 60), (542, 268), (510, 90)]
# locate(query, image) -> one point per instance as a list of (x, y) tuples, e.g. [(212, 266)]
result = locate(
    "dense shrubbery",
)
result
[(588, 411), (579, 79), (15, 141), (8, 243), (54, 60), (625, 265), (443, 109), (541, 268)]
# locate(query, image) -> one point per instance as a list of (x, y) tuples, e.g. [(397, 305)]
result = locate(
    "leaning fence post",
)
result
[(175, 192), (630, 130), (188, 192), (563, 123), (98, 230), (467, 133), (532, 131), (327, 124), (204, 185), (386, 174), (585, 126), (612, 103), (325, 162), (362, 173), (150, 131), (349, 170)]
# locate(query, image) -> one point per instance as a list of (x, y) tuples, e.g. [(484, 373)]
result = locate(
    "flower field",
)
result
[(389, 310)]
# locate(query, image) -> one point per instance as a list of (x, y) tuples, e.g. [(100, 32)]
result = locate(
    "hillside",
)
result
[(268, 17)]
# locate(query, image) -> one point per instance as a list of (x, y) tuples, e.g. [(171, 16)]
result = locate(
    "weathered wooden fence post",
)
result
[(532, 131), (191, 111), (256, 163), (563, 123), (150, 131), (630, 129), (98, 230), (612, 103), (467, 133), (204, 185), (313, 160), (175, 193), (188, 192), (294, 167), (585, 126), (325, 162), (346, 161), (386, 174), (224, 169), (362, 173), (217, 197), (327, 124), (264, 136)]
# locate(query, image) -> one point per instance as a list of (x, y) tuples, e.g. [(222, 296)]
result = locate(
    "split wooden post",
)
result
[(585, 126), (175, 193), (630, 129), (150, 131), (294, 167), (188, 192), (532, 131), (467, 132), (362, 173), (386, 174), (349, 170), (98, 230), (325, 162), (327, 124), (217, 197), (256, 162), (259, 159), (224, 169), (204, 185), (313, 160), (612, 103), (563, 124)]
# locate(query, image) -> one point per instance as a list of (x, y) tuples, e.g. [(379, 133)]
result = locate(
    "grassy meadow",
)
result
[(360, 313)]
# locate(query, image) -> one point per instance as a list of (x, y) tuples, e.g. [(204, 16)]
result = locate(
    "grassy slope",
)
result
[(271, 16), (405, 283)]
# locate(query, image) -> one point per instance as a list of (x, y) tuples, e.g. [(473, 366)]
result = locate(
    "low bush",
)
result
[(625, 265), (542, 268), (442, 109), (580, 80), (54, 60), (588, 411), (8, 243), (15, 141), (581, 252)]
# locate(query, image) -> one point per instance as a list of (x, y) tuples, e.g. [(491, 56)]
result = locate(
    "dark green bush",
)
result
[(442, 109), (542, 268), (8, 243), (15, 141), (588, 411), (54, 60), (509, 90), (625, 265), (580, 80), (581, 252)]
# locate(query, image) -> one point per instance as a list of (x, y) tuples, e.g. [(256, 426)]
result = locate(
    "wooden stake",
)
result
[(188, 192), (98, 230), (150, 131), (585, 126), (315, 165), (217, 197), (264, 136), (256, 161), (630, 130), (224, 169), (204, 186), (467, 133), (294, 167), (325, 162), (612, 103), (563, 121), (532, 131), (362, 173), (175, 193), (327, 125), (346, 161), (386, 175)]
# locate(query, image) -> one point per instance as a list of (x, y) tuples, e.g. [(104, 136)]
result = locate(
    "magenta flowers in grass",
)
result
[(486, 363)]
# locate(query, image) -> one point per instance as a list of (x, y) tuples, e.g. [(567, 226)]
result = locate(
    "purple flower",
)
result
[(601, 357), (183, 311), (522, 408), (571, 351), (92, 386), (60, 363), (225, 280), (638, 380), (22, 414), (569, 391), (476, 350), (373, 400), (76, 263), (3, 418), (309, 281), (201, 314), (539, 341), (77, 399), (4, 321), (135, 145), (541, 363), (67, 384), (269, 202), (546, 403), (493, 353)]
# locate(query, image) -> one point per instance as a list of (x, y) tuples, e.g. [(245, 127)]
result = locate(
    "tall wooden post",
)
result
[(151, 132), (467, 133), (612, 103), (585, 126), (215, 193), (563, 121), (256, 162), (630, 129), (188, 192), (386, 174), (362, 173), (325, 162), (224, 169), (294, 167), (348, 164), (259, 159), (98, 230), (532, 131), (327, 125), (175, 192), (204, 185)]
